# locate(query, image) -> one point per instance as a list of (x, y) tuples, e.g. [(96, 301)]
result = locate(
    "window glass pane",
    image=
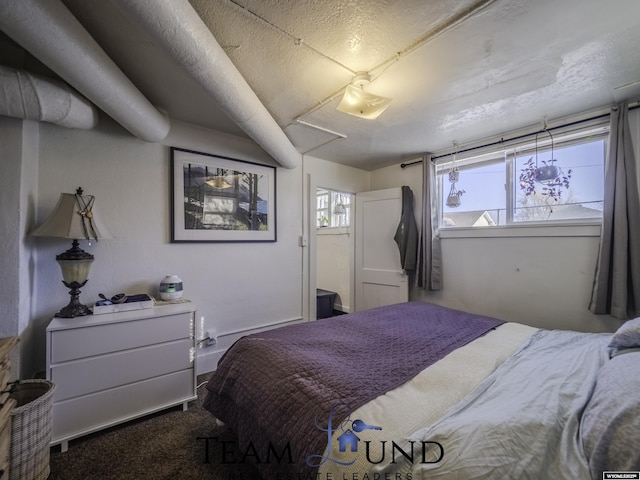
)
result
[(504, 187), (333, 209), (481, 192), (576, 193), (322, 207), (340, 209)]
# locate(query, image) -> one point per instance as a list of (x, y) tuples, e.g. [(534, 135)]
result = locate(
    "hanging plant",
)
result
[(549, 176), (551, 181), (453, 199)]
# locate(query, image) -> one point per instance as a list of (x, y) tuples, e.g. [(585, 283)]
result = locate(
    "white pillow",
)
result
[(610, 426), (628, 335)]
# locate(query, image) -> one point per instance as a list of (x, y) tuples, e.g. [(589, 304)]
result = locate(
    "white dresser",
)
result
[(115, 367)]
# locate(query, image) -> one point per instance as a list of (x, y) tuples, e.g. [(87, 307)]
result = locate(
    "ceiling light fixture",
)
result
[(360, 103)]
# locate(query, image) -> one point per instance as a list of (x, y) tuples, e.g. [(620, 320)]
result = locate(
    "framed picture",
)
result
[(221, 199)]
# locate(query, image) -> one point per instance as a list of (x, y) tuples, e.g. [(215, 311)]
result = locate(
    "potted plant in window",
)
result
[(547, 174), (323, 221), (453, 199)]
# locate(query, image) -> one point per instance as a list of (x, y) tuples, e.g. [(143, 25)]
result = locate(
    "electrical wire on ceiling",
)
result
[(430, 35), (435, 32), (443, 27), (296, 40)]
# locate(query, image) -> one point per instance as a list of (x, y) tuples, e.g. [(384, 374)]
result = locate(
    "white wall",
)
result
[(544, 281), (11, 159), (333, 263), (236, 287), (18, 162), (540, 281)]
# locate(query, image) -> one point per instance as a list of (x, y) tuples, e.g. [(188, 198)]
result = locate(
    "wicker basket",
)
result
[(31, 430)]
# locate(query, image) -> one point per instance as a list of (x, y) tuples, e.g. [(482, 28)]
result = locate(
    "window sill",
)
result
[(332, 230), (564, 230)]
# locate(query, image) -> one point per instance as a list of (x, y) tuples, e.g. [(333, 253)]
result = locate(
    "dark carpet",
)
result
[(166, 445)]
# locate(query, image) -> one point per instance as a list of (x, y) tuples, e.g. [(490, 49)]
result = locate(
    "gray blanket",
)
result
[(524, 420), (277, 389)]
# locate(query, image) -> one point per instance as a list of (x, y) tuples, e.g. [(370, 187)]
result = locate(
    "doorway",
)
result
[(334, 251)]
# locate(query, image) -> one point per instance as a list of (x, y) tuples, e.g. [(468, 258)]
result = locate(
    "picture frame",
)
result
[(221, 199)]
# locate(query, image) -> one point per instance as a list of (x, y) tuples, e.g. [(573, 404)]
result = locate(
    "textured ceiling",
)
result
[(457, 70)]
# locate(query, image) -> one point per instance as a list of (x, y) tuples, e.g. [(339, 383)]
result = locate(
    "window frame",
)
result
[(506, 152)]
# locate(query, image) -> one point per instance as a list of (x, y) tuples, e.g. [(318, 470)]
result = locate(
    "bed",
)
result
[(417, 390)]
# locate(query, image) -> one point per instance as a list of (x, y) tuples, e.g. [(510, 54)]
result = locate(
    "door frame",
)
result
[(309, 244)]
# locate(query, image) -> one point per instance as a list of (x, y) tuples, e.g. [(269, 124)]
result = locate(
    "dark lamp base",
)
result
[(71, 311), (74, 308)]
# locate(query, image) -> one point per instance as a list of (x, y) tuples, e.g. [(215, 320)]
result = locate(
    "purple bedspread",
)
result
[(271, 387)]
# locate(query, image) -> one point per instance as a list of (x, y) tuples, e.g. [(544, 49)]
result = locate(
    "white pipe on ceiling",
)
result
[(34, 97), (175, 25), (54, 36)]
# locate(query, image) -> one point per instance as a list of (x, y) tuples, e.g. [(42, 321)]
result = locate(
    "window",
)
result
[(500, 187), (333, 208)]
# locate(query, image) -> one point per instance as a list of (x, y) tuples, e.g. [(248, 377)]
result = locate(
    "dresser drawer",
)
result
[(93, 340), (82, 415), (92, 374)]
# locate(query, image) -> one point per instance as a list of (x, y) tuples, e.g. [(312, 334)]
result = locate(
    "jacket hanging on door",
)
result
[(407, 233)]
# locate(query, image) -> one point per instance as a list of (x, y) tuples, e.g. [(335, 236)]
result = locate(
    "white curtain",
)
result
[(616, 286), (429, 274)]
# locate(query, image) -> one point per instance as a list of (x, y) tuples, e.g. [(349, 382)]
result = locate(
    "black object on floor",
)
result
[(325, 300)]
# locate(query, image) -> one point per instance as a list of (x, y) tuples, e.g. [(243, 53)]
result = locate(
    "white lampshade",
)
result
[(73, 217)]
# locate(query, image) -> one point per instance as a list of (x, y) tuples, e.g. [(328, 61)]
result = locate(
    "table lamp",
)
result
[(74, 217)]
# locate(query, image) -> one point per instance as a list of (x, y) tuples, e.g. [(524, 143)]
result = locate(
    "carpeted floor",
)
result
[(157, 447)]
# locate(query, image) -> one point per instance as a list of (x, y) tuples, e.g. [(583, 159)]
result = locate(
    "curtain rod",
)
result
[(518, 137)]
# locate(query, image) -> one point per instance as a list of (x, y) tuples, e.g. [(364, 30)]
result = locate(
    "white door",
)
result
[(380, 279)]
